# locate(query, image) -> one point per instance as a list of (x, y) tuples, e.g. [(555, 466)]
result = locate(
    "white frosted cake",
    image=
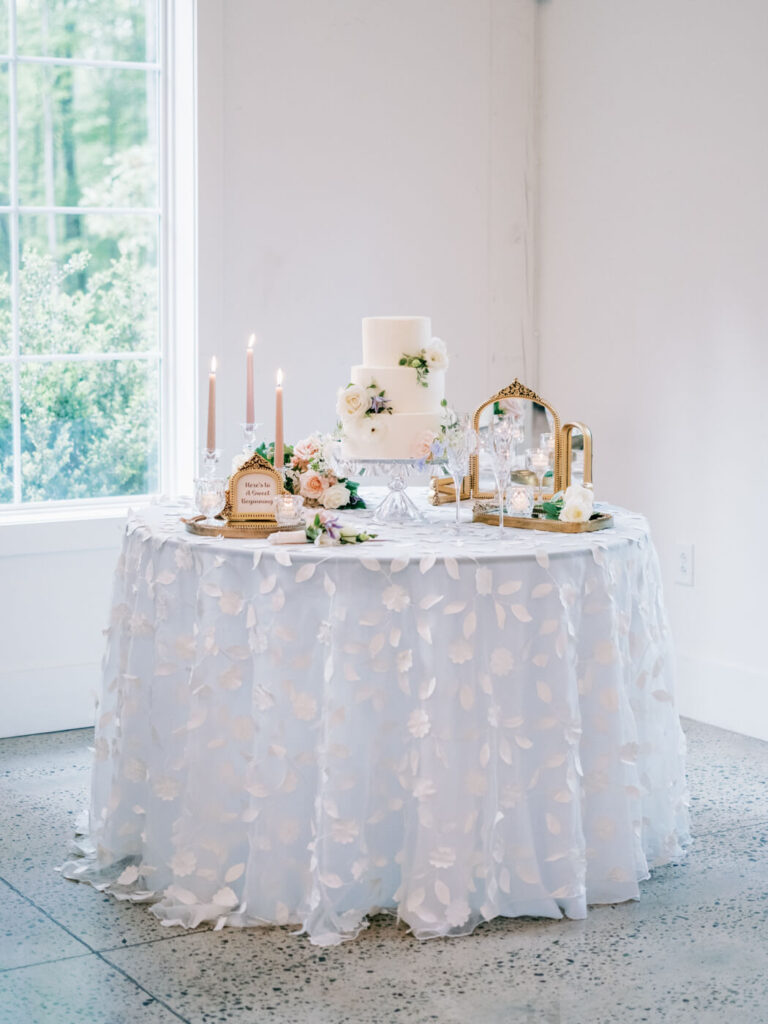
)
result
[(392, 407)]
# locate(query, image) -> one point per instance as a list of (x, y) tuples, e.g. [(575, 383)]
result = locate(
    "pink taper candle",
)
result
[(210, 443), (279, 447), (249, 380)]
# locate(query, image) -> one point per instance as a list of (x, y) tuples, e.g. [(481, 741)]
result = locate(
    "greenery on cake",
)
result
[(433, 357)]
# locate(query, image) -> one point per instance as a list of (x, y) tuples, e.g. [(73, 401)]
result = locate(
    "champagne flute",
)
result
[(460, 441)]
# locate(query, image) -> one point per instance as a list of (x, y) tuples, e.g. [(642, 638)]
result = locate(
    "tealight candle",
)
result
[(519, 501), (288, 508)]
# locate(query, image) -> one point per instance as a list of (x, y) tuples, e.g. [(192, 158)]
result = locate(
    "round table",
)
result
[(454, 727)]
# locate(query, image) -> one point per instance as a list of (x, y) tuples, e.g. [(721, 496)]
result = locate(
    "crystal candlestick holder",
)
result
[(249, 436), (210, 462)]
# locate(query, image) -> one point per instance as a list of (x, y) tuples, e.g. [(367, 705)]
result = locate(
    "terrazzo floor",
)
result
[(693, 949)]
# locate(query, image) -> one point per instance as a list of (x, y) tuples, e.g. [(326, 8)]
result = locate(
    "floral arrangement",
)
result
[(430, 446), (433, 357), (325, 530), (575, 506), (356, 403), (308, 472)]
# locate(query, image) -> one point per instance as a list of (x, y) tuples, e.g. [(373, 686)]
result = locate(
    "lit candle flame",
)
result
[(279, 378), (252, 341), (213, 364)]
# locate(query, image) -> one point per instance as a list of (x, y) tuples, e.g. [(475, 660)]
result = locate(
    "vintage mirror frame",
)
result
[(258, 465), (561, 474)]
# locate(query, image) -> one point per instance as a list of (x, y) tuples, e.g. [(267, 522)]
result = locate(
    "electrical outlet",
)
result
[(684, 565)]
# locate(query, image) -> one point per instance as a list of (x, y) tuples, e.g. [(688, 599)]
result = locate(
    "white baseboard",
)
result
[(729, 696), (48, 698)]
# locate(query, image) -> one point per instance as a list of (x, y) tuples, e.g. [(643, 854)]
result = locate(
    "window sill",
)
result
[(76, 527)]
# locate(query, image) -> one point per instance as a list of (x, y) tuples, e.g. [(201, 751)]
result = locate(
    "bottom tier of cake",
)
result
[(395, 436)]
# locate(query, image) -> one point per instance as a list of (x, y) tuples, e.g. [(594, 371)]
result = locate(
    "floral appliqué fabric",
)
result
[(453, 731)]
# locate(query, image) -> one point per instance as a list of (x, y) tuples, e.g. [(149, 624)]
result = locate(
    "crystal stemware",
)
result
[(459, 441), (499, 445)]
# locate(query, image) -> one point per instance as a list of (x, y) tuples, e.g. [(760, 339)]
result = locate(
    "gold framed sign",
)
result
[(252, 491)]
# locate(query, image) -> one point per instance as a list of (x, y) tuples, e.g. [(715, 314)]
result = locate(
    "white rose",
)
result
[(335, 496), (239, 460), (576, 511), (353, 402), (578, 493), (436, 355), (322, 540)]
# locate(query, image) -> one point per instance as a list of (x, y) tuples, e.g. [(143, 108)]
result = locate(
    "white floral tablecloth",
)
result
[(455, 728)]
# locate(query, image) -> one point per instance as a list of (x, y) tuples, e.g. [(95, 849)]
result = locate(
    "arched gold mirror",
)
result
[(537, 425)]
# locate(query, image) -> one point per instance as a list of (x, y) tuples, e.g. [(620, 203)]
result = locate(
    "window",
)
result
[(81, 196)]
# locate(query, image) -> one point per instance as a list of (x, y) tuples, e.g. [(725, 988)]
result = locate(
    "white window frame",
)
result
[(176, 356)]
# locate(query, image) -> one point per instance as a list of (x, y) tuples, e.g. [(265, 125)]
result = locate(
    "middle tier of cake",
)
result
[(395, 436), (402, 387)]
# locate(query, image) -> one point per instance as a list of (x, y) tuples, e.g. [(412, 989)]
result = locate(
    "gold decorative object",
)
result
[(442, 491), (245, 530), (563, 454), (486, 512), (252, 491)]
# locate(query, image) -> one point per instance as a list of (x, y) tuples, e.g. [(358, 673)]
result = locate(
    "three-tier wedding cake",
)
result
[(392, 408)]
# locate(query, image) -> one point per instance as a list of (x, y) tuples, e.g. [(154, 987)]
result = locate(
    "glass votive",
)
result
[(210, 496), (288, 509), (519, 501)]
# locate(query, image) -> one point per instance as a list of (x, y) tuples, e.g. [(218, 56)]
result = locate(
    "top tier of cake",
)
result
[(387, 338)]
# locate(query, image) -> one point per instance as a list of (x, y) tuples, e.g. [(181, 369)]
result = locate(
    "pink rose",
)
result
[(312, 484), (422, 445), (306, 449)]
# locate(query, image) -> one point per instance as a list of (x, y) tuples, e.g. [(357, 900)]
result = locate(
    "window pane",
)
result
[(89, 429), (5, 284), (118, 30), (87, 136), (4, 47), (6, 435), (88, 283), (5, 159)]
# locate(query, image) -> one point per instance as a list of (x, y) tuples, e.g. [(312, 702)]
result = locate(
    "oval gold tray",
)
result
[(484, 514), (198, 526)]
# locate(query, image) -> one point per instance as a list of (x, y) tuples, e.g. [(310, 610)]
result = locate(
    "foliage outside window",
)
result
[(79, 249)]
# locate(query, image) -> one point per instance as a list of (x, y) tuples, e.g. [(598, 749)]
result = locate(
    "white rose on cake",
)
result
[(577, 504), (335, 496), (436, 355), (353, 402)]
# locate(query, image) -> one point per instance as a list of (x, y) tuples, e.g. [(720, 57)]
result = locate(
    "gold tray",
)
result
[(198, 526), (484, 513)]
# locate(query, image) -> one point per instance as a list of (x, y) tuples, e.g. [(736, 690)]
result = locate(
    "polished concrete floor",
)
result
[(693, 949)]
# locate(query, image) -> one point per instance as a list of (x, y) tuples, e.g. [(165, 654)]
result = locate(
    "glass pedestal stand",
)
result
[(396, 507)]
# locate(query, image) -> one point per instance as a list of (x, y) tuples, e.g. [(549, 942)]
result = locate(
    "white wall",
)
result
[(653, 300), (361, 158), (55, 588)]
